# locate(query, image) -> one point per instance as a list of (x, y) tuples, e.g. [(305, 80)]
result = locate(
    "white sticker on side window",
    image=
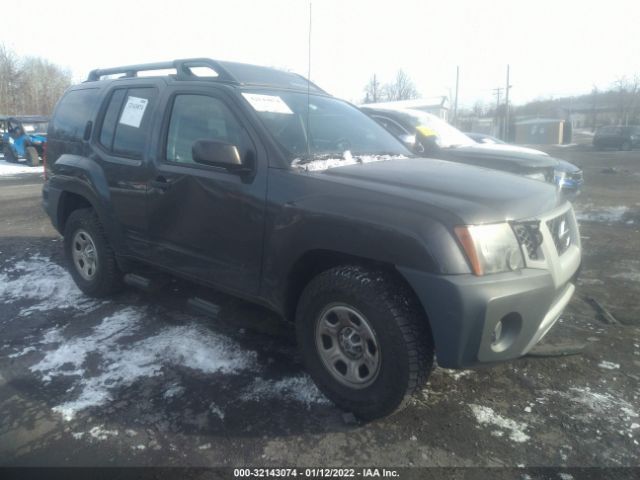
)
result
[(133, 111), (267, 103)]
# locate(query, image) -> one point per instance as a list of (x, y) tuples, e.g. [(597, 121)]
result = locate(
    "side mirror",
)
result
[(217, 154)]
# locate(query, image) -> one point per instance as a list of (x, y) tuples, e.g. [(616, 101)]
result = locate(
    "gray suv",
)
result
[(258, 183)]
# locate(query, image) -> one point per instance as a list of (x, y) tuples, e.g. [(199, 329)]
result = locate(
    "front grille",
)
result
[(529, 237), (559, 228)]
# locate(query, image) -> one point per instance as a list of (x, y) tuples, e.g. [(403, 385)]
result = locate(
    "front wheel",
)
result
[(91, 260), (31, 155), (364, 339)]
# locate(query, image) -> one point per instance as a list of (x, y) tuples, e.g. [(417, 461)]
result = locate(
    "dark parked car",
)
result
[(617, 136), (259, 183), (567, 176), (429, 135)]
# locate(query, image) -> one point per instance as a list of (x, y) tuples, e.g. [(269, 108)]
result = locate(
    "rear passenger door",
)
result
[(121, 143), (204, 221)]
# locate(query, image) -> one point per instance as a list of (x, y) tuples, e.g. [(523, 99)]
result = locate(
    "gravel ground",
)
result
[(142, 380)]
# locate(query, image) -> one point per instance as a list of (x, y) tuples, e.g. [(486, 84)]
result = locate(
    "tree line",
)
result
[(401, 88), (29, 85)]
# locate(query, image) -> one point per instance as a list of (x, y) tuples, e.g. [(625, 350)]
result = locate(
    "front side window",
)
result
[(200, 117), (308, 127)]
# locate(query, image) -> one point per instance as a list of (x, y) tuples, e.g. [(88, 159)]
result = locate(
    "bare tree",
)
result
[(402, 88), (9, 78), (29, 85), (478, 109), (373, 90)]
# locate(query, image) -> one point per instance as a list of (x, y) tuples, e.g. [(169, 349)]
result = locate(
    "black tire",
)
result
[(107, 278), (32, 156), (8, 155), (401, 329)]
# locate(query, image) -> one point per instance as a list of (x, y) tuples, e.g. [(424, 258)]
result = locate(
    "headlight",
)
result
[(490, 248), (536, 176)]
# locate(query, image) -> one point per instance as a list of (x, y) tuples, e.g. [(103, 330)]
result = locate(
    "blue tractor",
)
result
[(24, 138)]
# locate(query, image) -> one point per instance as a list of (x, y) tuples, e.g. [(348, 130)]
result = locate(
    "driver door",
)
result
[(204, 221)]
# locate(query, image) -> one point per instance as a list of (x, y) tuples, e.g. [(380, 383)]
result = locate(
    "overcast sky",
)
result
[(553, 47)]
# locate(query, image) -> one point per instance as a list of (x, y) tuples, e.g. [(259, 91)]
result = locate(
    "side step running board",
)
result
[(203, 307), (148, 284)]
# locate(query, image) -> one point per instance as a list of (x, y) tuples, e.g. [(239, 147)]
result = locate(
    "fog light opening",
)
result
[(505, 332)]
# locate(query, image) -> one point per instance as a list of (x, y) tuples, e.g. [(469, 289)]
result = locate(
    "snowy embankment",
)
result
[(11, 169)]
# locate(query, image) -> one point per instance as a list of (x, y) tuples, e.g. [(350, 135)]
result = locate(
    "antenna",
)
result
[(309, 84)]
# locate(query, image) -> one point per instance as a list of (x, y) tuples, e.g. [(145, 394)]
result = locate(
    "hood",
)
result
[(453, 192), (501, 157), (567, 167), (507, 147)]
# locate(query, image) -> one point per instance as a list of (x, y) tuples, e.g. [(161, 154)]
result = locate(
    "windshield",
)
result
[(332, 128), (35, 127), (447, 135)]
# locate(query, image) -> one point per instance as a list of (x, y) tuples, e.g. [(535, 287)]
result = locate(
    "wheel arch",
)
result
[(313, 262)]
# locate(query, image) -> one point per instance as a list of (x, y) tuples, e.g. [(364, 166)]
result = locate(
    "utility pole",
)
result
[(497, 92), (455, 105), (506, 108)]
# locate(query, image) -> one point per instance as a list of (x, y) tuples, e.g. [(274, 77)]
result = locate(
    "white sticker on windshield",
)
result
[(267, 103), (133, 111)]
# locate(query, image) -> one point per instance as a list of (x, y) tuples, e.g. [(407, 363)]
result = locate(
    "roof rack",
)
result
[(226, 72), (182, 67)]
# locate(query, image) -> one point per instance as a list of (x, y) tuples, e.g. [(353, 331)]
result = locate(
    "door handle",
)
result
[(161, 183)]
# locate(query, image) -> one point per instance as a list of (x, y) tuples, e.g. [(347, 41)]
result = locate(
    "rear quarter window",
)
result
[(75, 109)]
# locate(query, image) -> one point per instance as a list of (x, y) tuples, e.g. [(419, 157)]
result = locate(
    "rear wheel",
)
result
[(91, 260), (364, 340), (9, 156)]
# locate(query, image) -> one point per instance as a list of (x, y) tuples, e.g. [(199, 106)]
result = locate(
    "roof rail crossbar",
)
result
[(182, 67)]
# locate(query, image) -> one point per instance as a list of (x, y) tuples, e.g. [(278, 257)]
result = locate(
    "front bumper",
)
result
[(464, 310)]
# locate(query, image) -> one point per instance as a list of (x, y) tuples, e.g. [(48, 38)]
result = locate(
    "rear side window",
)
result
[(127, 121), (74, 111)]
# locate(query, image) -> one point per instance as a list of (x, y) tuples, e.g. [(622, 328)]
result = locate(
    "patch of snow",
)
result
[(615, 410), (139, 447), (633, 276), (346, 159), (457, 374), (565, 476), (173, 390), (78, 435), (24, 351), (204, 446), (216, 410), (46, 284), (299, 389), (609, 365), (10, 169), (601, 214), (122, 363), (486, 416), (100, 433)]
